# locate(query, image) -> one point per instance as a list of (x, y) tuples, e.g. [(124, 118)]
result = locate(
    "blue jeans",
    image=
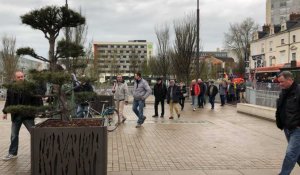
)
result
[(81, 111), (212, 101), (222, 97), (194, 101), (15, 129), (137, 107), (292, 155)]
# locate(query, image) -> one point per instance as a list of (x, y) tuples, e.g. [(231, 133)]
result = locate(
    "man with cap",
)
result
[(160, 92)]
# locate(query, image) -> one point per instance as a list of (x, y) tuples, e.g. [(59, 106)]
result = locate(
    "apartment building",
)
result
[(276, 44), (111, 58), (278, 11)]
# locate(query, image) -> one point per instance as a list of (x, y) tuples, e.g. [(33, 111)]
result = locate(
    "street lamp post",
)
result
[(197, 55)]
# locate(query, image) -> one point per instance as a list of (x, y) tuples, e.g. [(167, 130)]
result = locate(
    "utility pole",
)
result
[(197, 55)]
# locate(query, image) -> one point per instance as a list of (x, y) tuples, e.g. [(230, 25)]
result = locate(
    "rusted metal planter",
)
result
[(69, 150)]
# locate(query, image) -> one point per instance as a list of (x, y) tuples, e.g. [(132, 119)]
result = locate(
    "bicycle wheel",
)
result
[(111, 119)]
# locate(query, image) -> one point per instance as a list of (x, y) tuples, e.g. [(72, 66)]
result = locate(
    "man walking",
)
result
[(288, 119), (120, 91), (212, 92), (141, 91), (160, 92), (173, 95), (18, 97)]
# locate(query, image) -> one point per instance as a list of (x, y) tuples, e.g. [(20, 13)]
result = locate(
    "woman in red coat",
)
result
[(195, 91)]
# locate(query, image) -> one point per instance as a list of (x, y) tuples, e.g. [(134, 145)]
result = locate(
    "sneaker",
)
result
[(171, 117), (143, 120), (9, 157), (155, 116), (123, 120), (138, 125), (194, 109)]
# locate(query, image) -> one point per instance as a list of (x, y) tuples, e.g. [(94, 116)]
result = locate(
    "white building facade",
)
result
[(276, 45), (112, 58)]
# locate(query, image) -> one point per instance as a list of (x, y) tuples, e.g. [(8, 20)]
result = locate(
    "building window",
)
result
[(293, 56), (271, 45), (294, 38), (282, 41), (125, 67), (282, 4), (282, 57), (262, 48)]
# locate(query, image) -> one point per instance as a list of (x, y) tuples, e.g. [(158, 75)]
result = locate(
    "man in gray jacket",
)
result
[(141, 91)]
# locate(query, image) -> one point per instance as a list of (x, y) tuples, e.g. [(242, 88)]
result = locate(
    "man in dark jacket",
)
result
[(160, 92), (288, 119), (18, 98), (173, 96), (212, 92)]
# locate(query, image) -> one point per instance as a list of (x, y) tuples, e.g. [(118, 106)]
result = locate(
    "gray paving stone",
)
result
[(202, 142), (187, 172), (150, 173)]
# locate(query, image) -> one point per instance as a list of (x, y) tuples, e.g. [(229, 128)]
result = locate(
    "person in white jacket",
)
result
[(120, 91)]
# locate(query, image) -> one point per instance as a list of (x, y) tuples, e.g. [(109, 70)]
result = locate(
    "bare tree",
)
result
[(153, 68), (9, 59), (238, 40), (184, 46), (77, 36), (163, 50)]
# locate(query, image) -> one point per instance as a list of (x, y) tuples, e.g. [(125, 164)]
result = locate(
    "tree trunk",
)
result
[(52, 58)]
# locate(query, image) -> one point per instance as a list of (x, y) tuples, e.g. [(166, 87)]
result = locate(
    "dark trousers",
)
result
[(222, 97), (162, 103), (15, 129), (212, 101), (181, 102), (201, 100)]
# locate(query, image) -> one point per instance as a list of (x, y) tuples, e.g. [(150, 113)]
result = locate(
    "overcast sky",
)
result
[(123, 20)]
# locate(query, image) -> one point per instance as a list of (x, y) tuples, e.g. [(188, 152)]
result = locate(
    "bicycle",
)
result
[(110, 114)]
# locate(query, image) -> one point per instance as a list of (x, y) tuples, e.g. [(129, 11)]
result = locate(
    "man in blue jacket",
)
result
[(141, 91)]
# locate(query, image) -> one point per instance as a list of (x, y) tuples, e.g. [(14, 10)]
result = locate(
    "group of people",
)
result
[(287, 113)]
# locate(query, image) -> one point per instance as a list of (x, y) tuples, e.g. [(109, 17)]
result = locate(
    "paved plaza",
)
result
[(203, 142)]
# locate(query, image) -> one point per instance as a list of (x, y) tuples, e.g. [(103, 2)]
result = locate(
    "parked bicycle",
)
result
[(109, 113)]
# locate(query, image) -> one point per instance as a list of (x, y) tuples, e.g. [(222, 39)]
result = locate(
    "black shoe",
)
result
[(143, 120), (155, 116), (178, 115), (162, 116)]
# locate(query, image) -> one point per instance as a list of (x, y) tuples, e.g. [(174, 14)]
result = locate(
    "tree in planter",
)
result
[(64, 148), (51, 20)]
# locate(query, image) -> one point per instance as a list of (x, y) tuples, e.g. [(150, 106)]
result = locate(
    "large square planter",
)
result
[(69, 150)]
